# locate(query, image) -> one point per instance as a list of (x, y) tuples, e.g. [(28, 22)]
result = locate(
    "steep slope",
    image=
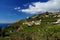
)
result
[(45, 26), (46, 16)]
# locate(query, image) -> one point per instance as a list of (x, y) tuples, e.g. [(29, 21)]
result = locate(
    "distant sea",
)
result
[(4, 25)]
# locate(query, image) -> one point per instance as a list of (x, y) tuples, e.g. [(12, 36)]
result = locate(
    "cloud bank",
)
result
[(50, 6)]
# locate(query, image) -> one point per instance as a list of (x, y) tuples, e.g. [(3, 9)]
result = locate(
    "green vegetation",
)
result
[(45, 31)]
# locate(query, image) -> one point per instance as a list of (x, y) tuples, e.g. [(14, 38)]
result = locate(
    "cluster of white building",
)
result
[(33, 22)]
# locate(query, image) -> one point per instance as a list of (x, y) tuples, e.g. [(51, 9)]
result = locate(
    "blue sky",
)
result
[(14, 10)]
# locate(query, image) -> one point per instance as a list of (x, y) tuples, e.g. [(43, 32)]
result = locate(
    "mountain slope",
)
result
[(45, 26)]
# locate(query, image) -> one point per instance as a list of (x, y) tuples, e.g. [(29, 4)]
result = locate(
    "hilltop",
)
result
[(39, 17)]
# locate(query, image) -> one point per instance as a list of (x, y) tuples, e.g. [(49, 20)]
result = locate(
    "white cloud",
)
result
[(17, 8), (51, 6)]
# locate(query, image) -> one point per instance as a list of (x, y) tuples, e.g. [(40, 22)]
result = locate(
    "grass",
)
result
[(44, 31)]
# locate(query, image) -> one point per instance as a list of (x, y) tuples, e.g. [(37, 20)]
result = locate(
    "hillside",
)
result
[(47, 16), (45, 26)]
